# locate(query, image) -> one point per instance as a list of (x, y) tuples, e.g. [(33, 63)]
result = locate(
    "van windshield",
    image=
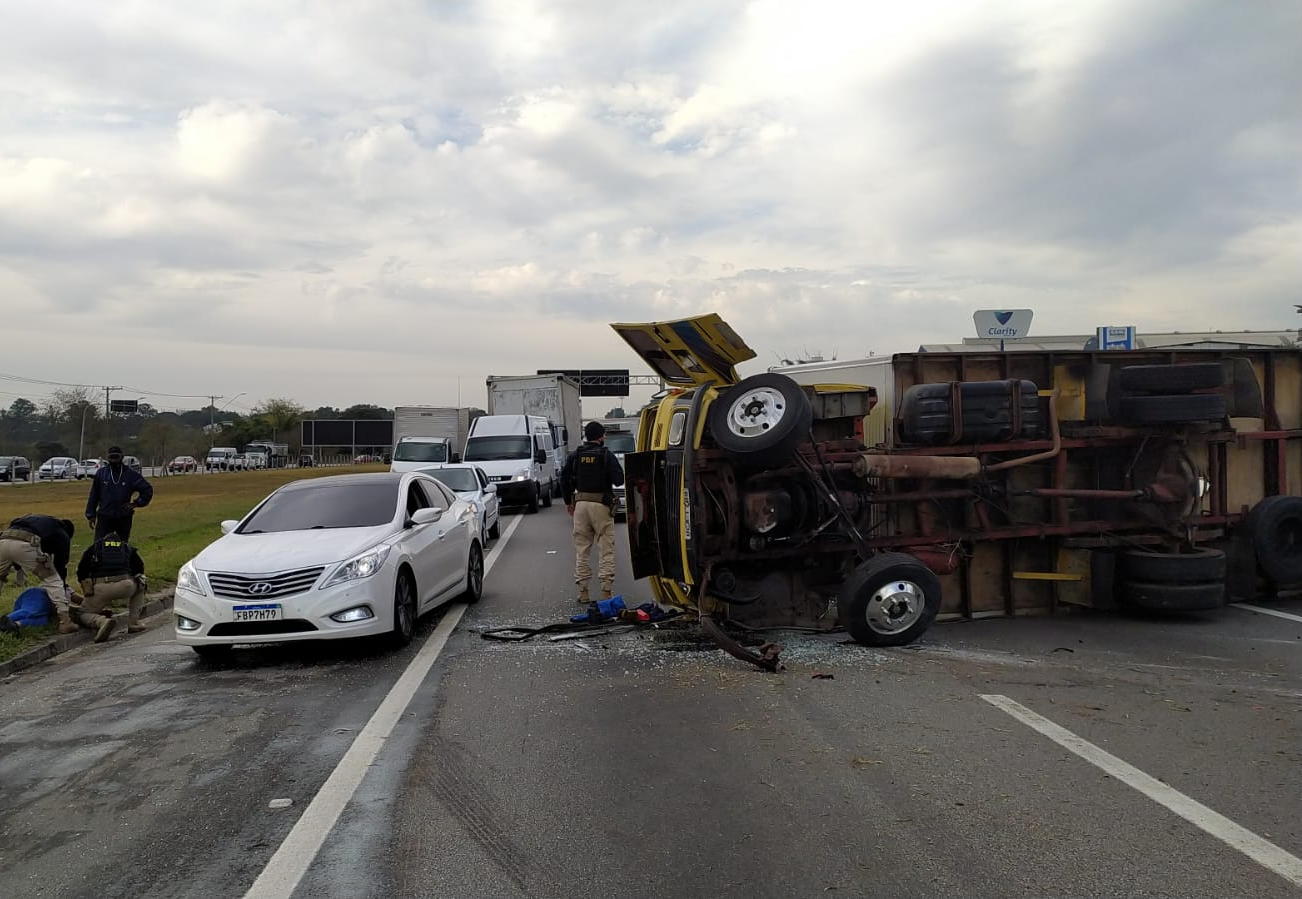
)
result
[(489, 449), (620, 442), (421, 452)]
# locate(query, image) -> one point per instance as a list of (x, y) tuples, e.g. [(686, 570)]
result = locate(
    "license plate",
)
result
[(267, 611)]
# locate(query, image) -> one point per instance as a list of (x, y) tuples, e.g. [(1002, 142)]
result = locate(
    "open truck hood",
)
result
[(690, 352)]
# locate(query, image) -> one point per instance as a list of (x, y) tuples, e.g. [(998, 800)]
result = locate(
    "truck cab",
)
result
[(414, 453)]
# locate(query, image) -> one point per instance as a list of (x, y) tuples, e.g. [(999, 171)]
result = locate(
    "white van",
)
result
[(516, 453), (220, 458)]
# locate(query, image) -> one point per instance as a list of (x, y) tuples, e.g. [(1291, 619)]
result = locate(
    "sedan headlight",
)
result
[(360, 566), (188, 579)]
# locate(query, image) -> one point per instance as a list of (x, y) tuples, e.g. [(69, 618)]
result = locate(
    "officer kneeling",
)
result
[(110, 570)]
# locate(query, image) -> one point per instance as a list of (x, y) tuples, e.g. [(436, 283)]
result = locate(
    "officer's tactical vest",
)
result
[(590, 471), (112, 558)]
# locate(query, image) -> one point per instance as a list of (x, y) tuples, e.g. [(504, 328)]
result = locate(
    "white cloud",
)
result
[(340, 202)]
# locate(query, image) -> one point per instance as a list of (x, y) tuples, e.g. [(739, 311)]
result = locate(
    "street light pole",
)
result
[(81, 450)]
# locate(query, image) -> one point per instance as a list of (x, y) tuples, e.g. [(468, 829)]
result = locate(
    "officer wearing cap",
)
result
[(115, 493), (589, 479), (110, 570)]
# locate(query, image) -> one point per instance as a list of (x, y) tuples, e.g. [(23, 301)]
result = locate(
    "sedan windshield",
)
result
[(456, 479), (325, 506), (421, 452), (489, 449)]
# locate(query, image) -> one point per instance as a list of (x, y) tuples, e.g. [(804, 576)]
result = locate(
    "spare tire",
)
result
[(1275, 527), (1161, 410), (761, 420), (1197, 566), (1170, 378), (1151, 597)]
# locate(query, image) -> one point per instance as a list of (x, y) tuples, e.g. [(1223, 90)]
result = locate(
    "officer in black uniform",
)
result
[(40, 545), (589, 479), (110, 570), (115, 493)]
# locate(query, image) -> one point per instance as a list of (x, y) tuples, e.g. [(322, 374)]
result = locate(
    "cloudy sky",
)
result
[(381, 201)]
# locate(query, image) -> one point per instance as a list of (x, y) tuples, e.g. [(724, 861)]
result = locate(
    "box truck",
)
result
[(554, 397), (428, 435)]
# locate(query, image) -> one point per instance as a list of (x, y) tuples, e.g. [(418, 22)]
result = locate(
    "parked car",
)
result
[(331, 558), (306, 461), (58, 468), (239, 462), (365, 459), (471, 484), (86, 468), (15, 468), (183, 464)]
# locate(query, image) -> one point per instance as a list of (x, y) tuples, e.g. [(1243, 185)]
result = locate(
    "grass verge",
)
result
[(184, 517)]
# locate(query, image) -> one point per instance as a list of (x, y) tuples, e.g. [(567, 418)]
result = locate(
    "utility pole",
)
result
[(107, 421), (212, 417)]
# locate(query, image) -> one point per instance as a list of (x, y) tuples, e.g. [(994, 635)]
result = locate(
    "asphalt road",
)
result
[(645, 765)]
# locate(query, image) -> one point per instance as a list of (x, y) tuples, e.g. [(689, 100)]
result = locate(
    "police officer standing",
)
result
[(41, 544), (115, 494), (110, 569), (589, 479)]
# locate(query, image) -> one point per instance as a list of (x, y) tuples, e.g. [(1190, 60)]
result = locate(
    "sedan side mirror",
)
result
[(229, 525), (425, 516), (490, 488)]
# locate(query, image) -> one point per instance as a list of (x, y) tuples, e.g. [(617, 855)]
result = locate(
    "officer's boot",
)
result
[(66, 624), (607, 589), (133, 615), (584, 597), (106, 625)]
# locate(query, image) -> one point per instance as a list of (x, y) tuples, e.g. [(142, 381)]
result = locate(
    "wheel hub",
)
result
[(756, 412), (895, 607)]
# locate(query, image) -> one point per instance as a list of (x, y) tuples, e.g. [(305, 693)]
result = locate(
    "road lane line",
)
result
[(290, 862), (1278, 614), (1260, 850)]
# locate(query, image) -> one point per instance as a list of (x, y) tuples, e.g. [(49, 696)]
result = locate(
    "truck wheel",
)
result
[(1275, 526), (547, 497), (1169, 378), (1158, 410), (1151, 597), (762, 419), (533, 499), (1198, 566), (889, 600)]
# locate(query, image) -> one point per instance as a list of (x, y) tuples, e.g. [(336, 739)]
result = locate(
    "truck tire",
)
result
[(890, 600), (1199, 566), (547, 496), (1275, 527), (761, 420), (1160, 410), (1169, 379), (533, 499), (1151, 597)]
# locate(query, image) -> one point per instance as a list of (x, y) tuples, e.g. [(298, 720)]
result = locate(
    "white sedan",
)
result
[(329, 558), (471, 484)]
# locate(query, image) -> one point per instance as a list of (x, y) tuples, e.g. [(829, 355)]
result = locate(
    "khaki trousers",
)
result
[(594, 521), (28, 556), (104, 595)]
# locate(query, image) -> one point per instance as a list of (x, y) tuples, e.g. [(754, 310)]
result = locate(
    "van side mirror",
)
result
[(456, 458), (540, 456)]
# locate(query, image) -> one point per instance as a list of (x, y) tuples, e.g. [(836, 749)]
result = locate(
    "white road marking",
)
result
[(1278, 614), (1260, 850), (290, 862)]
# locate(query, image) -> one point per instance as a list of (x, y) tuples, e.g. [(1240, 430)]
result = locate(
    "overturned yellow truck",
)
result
[(962, 485)]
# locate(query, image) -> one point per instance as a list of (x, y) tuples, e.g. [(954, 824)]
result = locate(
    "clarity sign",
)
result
[(1005, 324)]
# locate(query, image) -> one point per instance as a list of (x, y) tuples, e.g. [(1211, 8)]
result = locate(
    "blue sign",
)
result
[(1117, 338)]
